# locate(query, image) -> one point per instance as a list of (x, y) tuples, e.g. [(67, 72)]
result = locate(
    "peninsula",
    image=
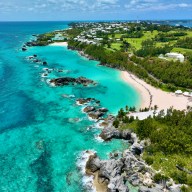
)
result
[(156, 60)]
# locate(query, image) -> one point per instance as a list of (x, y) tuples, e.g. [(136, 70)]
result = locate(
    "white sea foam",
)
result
[(98, 138), (81, 164), (44, 75), (51, 84), (98, 125), (91, 119), (78, 103), (68, 96), (45, 69)]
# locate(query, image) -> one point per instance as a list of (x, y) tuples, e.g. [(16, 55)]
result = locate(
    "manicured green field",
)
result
[(136, 42), (189, 33), (116, 46), (182, 50)]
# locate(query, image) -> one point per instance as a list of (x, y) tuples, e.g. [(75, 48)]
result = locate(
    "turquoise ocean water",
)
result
[(40, 137), (42, 134)]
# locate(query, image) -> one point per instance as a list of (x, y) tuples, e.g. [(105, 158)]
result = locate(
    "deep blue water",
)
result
[(42, 133), (40, 137)]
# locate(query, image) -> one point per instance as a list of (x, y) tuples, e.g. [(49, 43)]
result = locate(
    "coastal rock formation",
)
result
[(36, 43), (109, 172), (110, 132), (81, 52), (83, 101), (104, 110), (24, 48), (107, 122), (115, 172), (44, 63), (72, 81), (93, 111), (96, 114), (126, 166), (88, 109)]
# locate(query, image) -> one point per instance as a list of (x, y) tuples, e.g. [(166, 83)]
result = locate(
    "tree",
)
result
[(116, 123)]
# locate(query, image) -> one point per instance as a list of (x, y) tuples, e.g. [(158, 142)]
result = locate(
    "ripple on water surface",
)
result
[(42, 132)]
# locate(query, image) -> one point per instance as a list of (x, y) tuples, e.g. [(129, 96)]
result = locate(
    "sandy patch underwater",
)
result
[(43, 133)]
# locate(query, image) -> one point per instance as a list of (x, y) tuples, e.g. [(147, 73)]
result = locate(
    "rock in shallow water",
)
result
[(71, 81), (88, 109)]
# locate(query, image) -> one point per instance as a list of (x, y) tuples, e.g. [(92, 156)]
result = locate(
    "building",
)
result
[(177, 56)]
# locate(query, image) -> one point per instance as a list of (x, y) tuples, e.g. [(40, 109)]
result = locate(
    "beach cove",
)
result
[(43, 133)]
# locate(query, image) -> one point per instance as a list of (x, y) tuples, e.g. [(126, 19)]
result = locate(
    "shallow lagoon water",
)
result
[(41, 132)]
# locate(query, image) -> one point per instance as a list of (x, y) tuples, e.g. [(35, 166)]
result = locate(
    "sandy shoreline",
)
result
[(65, 44), (151, 96)]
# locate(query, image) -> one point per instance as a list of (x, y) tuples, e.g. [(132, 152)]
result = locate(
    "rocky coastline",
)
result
[(89, 57), (92, 108), (113, 175), (126, 167)]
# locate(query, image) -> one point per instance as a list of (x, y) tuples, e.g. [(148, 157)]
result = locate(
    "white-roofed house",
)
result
[(177, 56), (178, 92)]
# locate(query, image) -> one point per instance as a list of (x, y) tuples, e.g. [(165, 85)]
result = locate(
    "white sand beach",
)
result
[(162, 99), (59, 44)]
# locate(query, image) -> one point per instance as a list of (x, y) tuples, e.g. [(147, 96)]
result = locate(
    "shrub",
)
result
[(116, 123), (149, 160), (185, 189), (159, 177), (180, 177)]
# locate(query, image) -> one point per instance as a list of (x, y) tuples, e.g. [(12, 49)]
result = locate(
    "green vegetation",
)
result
[(185, 43), (136, 43), (167, 37), (149, 48), (44, 39), (172, 73), (116, 46), (167, 75), (168, 136), (145, 42), (168, 142), (136, 49)]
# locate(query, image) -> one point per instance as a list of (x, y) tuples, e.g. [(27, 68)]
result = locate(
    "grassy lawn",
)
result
[(189, 33), (182, 50), (136, 42), (116, 46), (117, 35), (108, 50)]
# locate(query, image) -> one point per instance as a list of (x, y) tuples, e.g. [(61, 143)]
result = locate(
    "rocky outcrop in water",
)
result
[(96, 114), (72, 81), (24, 48), (83, 101), (89, 109), (92, 108)]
